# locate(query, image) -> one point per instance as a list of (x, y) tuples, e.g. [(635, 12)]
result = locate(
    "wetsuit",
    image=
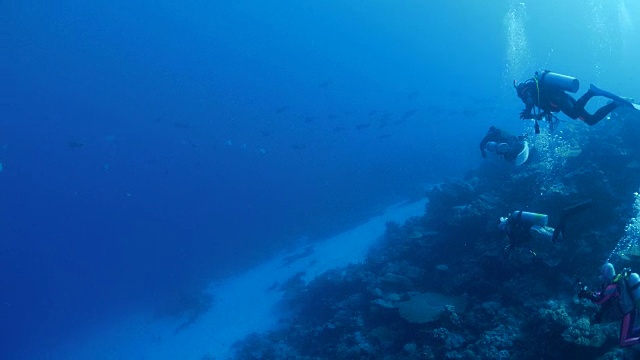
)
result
[(552, 100), (616, 303)]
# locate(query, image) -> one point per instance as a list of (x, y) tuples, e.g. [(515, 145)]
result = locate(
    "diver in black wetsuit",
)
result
[(521, 227), (547, 92)]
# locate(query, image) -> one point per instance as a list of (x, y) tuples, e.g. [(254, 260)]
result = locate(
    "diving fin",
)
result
[(523, 155), (617, 99), (566, 213), (557, 234)]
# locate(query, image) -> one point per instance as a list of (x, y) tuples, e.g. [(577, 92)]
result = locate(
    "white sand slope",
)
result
[(243, 304)]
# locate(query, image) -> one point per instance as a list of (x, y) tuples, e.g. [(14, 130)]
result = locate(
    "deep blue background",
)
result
[(150, 146)]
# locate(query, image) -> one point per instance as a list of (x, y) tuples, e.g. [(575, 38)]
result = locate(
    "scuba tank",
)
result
[(498, 148), (564, 82), (533, 218), (633, 285)]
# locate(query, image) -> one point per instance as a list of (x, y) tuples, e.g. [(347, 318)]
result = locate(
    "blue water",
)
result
[(148, 147)]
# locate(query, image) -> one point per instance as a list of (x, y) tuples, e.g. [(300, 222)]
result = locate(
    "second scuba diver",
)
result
[(546, 92), (522, 227), (513, 149)]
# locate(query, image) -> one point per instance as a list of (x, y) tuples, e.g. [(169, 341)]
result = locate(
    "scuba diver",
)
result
[(546, 91), (511, 148), (522, 227), (619, 299)]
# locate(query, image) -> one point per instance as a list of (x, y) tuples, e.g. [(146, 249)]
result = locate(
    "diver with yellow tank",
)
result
[(619, 299), (546, 93)]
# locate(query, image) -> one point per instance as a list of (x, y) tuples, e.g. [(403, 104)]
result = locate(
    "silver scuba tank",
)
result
[(534, 218), (564, 82), (633, 285)]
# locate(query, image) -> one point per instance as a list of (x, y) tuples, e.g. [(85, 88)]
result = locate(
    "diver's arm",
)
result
[(602, 297), (543, 114), (527, 112)]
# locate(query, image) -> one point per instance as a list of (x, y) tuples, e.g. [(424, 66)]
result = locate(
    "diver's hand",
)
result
[(524, 115), (585, 293)]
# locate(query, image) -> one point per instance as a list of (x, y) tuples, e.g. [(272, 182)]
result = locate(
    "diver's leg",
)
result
[(577, 208), (582, 101), (602, 112), (627, 338), (569, 106), (566, 213), (599, 114)]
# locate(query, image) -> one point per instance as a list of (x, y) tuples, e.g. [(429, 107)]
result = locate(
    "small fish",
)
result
[(192, 143), (181, 125), (362, 126), (75, 144), (299, 146)]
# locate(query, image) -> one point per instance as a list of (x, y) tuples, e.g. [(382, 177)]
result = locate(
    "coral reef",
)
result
[(397, 304)]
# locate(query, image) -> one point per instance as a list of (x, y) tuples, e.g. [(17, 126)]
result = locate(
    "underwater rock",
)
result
[(496, 343), (397, 281), (389, 301), (451, 341), (615, 354), (426, 307), (419, 234), (555, 312), (582, 333), (384, 334), (491, 307)]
